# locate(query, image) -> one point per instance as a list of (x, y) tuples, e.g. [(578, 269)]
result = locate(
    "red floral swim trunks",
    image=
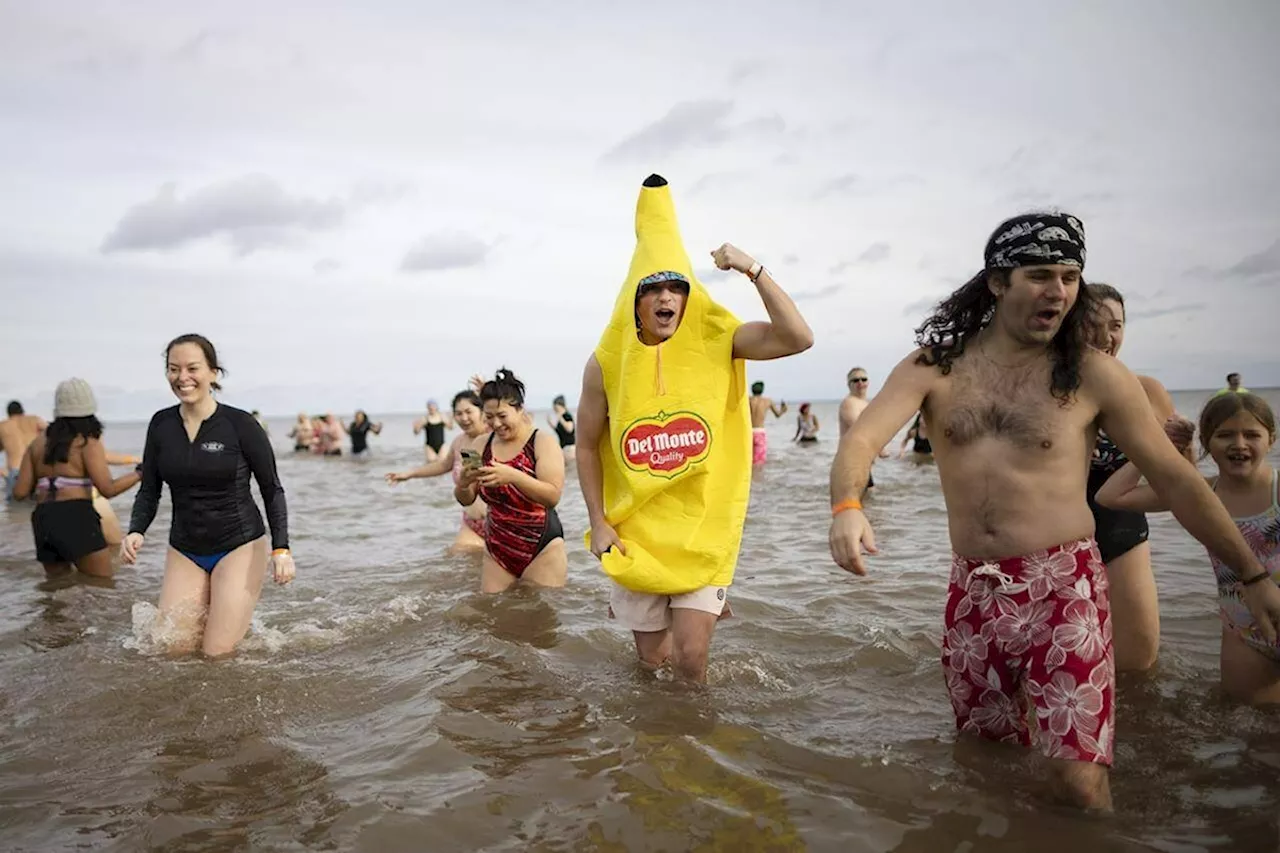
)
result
[(1033, 635)]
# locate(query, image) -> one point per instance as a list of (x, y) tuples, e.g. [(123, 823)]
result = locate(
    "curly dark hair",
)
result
[(62, 433), (504, 386), (967, 311)]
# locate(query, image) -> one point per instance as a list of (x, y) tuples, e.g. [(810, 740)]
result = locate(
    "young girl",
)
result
[(1238, 431)]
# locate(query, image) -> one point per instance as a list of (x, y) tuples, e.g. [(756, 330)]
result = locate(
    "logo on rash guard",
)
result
[(212, 447), (666, 445)]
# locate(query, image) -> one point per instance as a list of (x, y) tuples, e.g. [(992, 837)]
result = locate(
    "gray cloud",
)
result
[(445, 250), (1152, 313), (689, 124), (252, 212), (745, 70), (820, 293), (790, 259), (1264, 263), (327, 265), (852, 185), (874, 254)]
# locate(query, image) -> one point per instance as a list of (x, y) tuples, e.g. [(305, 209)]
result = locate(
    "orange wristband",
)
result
[(277, 552), (852, 503)]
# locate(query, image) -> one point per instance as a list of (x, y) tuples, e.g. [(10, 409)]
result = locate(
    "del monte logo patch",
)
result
[(666, 445)]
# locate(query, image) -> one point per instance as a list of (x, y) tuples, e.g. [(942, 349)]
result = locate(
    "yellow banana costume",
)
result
[(677, 456)]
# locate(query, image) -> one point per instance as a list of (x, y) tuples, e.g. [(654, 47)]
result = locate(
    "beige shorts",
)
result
[(642, 611)]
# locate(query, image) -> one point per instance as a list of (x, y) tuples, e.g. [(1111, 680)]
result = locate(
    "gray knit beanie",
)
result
[(74, 399)]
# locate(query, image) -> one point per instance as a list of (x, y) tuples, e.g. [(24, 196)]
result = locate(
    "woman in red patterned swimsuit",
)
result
[(520, 478)]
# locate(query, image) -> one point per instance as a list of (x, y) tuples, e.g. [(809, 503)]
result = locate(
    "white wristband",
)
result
[(754, 272)]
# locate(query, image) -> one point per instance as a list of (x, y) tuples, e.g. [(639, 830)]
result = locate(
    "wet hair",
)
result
[(1230, 376), (757, 388), (206, 347), (804, 408), (15, 408), (1219, 410), (559, 401), (360, 413), (504, 386), (59, 436), (968, 310), (470, 396), (1102, 292)]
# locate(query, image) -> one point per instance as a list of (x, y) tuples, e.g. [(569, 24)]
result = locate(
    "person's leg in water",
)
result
[(110, 524), (494, 578), (184, 599), (1135, 609), (1247, 675), (235, 584), (97, 564), (467, 541), (550, 568)]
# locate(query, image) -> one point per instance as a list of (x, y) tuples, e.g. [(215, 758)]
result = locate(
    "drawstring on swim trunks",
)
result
[(992, 570)]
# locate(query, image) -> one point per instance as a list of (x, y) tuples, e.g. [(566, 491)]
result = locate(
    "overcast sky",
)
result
[(362, 206)]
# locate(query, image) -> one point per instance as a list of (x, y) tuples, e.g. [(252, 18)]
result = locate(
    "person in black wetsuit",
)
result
[(1122, 536), (217, 555), (562, 421), (359, 431)]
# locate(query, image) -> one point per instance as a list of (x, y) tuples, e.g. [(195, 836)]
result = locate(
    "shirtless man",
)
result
[(852, 407), (16, 434), (761, 406), (1016, 404)]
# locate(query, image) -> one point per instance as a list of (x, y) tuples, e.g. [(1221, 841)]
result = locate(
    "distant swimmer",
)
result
[(561, 420), (17, 432), (761, 406), (359, 431), (665, 437), (852, 407), (807, 426), (303, 434), (1006, 376), (65, 467), (1122, 536), (469, 417), (330, 433), (1239, 432), (520, 477), (1233, 386), (433, 425), (918, 438), (217, 557)]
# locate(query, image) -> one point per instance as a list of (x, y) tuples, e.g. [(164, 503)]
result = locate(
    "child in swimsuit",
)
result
[(1238, 431)]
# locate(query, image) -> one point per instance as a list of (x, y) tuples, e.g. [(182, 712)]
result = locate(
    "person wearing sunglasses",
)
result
[(853, 405)]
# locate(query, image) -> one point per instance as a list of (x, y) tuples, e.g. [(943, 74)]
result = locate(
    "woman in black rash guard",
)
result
[(217, 555)]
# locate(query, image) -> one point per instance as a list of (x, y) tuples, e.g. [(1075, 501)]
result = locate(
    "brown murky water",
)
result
[(381, 704)]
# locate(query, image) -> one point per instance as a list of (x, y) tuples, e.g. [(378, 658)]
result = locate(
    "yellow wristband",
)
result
[(277, 552), (852, 503)]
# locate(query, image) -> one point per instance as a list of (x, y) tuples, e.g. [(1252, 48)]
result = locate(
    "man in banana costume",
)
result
[(664, 437)]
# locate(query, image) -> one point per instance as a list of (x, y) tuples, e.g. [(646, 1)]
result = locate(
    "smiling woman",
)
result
[(520, 479), (206, 451)]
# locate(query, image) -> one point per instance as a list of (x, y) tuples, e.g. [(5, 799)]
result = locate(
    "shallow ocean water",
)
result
[(382, 704)]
